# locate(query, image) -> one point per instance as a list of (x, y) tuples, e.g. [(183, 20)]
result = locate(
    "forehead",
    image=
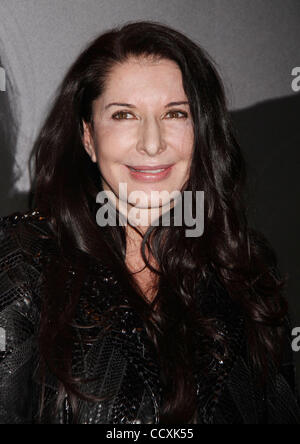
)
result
[(143, 77)]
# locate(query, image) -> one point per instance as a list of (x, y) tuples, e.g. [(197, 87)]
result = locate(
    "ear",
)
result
[(88, 141)]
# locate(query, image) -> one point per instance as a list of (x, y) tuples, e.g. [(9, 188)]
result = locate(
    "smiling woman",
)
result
[(141, 324), (150, 146)]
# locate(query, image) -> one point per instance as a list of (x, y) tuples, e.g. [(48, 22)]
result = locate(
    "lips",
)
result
[(150, 167), (150, 174)]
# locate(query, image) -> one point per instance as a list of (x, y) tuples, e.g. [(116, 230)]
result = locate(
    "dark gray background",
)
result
[(255, 45)]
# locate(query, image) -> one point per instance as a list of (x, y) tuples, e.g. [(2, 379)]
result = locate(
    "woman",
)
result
[(140, 323)]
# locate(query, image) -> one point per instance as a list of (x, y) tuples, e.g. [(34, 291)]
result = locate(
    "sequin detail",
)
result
[(120, 363)]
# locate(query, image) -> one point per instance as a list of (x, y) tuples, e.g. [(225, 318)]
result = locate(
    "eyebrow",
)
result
[(129, 105)]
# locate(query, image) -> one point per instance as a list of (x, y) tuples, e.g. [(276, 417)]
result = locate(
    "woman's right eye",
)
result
[(120, 115)]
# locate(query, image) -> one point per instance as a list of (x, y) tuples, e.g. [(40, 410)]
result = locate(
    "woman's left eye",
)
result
[(183, 114), (122, 114)]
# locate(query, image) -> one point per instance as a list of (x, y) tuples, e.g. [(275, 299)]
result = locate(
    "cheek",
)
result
[(112, 145), (185, 141)]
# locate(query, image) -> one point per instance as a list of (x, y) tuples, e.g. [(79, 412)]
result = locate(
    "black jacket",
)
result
[(122, 364)]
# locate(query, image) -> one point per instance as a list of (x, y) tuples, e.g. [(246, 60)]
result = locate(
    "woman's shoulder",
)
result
[(23, 239), (15, 222), (20, 302), (23, 231)]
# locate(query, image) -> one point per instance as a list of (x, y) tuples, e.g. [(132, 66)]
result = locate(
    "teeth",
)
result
[(149, 171)]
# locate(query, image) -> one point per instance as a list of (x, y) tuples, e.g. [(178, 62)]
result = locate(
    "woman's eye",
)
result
[(120, 115), (175, 114)]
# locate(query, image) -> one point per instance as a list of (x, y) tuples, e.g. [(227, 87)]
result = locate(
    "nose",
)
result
[(150, 140)]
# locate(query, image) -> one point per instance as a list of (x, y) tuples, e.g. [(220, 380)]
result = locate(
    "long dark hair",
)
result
[(66, 185)]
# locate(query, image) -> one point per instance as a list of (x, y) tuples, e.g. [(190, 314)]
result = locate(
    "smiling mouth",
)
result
[(150, 169), (153, 174)]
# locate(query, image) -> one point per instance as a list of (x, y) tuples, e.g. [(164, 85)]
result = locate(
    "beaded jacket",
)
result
[(120, 366)]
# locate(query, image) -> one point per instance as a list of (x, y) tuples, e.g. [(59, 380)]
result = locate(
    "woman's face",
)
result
[(137, 124)]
